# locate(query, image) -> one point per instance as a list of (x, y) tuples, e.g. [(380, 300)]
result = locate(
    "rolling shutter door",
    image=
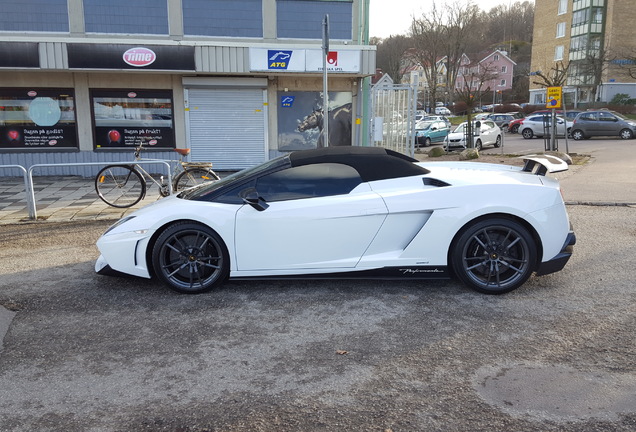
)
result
[(227, 127)]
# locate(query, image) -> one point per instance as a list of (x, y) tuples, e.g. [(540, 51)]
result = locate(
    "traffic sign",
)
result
[(553, 97)]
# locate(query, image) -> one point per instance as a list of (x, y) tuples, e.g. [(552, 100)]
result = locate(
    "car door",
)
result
[(317, 216), (488, 132), (607, 124)]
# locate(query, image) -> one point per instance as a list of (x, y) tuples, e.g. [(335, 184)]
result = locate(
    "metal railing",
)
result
[(28, 176)]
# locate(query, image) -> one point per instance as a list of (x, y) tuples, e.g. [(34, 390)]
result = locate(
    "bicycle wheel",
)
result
[(192, 177), (120, 186)]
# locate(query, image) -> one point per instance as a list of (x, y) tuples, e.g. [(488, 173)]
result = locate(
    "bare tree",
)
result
[(390, 55), (556, 77)]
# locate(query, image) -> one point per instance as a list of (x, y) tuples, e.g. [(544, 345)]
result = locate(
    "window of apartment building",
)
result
[(563, 7), (34, 15), (496, 57), (558, 52), (293, 23), (236, 18), (504, 69), (580, 17), (37, 119), (125, 119), (502, 83), (560, 30), (126, 16)]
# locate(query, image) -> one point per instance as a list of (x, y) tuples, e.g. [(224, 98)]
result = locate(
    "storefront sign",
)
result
[(304, 60), (19, 55), (114, 56)]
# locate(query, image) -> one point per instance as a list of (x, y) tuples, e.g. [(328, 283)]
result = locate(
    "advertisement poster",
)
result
[(300, 120), (126, 119), (37, 119)]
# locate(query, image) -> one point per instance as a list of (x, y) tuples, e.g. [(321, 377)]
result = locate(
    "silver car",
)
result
[(602, 123), (486, 133), (540, 125)]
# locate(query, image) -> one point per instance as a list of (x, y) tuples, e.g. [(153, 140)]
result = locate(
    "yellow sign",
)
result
[(553, 97)]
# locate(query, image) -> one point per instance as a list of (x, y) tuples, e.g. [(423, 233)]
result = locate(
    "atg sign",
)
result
[(304, 60)]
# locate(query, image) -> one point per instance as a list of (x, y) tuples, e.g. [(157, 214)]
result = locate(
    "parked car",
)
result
[(428, 132), (487, 133), (602, 123), (502, 120), (442, 111), (517, 114), (513, 126), (351, 212), (481, 116), (540, 125), (437, 118)]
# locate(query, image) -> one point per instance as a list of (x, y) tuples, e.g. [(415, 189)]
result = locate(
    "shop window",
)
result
[(37, 118), (34, 15), (125, 119), (126, 16), (293, 23), (236, 18)]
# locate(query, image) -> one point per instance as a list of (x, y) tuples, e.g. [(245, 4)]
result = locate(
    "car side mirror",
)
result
[(433, 128), (251, 197)]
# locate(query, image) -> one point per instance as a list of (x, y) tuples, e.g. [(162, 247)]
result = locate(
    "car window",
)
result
[(588, 116), (308, 181), (605, 116)]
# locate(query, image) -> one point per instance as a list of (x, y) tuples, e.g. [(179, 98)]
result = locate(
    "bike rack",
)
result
[(28, 182)]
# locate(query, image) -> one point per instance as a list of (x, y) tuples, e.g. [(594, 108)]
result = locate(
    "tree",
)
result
[(555, 78), (390, 55)]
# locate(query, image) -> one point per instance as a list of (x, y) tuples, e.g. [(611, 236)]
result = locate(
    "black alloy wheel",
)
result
[(494, 256), (190, 258)]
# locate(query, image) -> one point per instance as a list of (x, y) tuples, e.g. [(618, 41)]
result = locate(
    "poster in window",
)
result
[(37, 118), (128, 118), (300, 120)]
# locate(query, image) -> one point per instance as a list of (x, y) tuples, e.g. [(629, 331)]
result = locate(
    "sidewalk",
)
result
[(60, 199)]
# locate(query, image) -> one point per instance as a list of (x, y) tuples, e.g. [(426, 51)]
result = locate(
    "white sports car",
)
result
[(351, 212)]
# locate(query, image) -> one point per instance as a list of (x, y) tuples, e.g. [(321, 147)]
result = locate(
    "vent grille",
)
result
[(434, 182)]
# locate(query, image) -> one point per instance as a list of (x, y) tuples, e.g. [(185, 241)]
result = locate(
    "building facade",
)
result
[(85, 81), (593, 40)]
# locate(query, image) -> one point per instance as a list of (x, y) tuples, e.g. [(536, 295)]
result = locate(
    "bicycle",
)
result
[(124, 185)]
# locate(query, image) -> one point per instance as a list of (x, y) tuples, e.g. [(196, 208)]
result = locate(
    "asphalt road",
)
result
[(93, 353)]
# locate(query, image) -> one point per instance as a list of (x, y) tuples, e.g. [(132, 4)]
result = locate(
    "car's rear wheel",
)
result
[(498, 141), (626, 134), (190, 258), (494, 256), (527, 133), (578, 134)]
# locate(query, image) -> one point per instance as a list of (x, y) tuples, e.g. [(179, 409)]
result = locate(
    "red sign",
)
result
[(332, 58), (139, 57)]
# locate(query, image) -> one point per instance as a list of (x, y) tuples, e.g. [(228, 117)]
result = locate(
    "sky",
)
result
[(393, 17)]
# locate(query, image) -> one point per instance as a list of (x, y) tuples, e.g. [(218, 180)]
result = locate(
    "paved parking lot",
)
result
[(93, 353)]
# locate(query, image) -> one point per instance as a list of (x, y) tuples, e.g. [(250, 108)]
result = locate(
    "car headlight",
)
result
[(118, 223)]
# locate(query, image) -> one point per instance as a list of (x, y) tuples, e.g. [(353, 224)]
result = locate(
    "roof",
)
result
[(373, 163)]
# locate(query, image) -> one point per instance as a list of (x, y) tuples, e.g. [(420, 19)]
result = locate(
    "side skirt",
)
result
[(387, 273)]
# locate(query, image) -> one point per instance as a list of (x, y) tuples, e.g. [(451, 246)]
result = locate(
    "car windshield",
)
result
[(237, 177), (423, 125)]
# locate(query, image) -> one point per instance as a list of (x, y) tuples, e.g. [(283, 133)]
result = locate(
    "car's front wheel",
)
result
[(190, 258), (494, 256), (577, 134), (514, 129), (626, 134), (527, 133), (478, 145), (427, 142), (498, 141)]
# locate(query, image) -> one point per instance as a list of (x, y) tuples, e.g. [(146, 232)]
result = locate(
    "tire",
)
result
[(192, 177), (494, 256), (527, 133), (514, 129), (427, 142), (578, 135), (498, 142), (190, 258), (120, 186), (626, 134), (478, 145)]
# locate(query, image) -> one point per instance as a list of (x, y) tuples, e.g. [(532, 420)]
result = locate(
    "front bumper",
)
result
[(560, 260)]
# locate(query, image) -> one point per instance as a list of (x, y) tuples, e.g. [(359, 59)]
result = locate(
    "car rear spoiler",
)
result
[(542, 164)]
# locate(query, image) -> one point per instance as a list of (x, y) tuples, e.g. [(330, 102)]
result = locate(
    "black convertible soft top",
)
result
[(373, 163)]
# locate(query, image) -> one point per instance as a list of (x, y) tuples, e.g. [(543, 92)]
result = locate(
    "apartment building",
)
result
[(85, 81), (594, 39)]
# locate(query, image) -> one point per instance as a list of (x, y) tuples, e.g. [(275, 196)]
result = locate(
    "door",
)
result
[(227, 127)]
